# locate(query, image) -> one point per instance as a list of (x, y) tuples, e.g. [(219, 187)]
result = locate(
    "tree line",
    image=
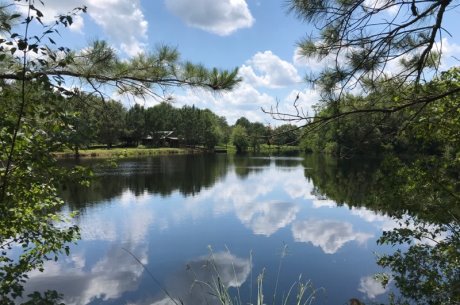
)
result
[(95, 122), (428, 129)]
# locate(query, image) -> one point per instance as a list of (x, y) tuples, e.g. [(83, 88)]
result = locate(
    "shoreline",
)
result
[(118, 152), (124, 152)]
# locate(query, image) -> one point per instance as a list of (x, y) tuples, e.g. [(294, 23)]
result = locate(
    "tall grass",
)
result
[(301, 292)]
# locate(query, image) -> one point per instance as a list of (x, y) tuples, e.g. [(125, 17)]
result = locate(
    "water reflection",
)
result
[(370, 286), (194, 283), (265, 218), (167, 210), (163, 175), (329, 235), (416, 203), (82, 282)]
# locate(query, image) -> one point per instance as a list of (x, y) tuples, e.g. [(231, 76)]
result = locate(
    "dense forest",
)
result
[(428, 128), (94, 121)]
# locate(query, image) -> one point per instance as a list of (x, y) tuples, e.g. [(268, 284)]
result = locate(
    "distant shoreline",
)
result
[(117, 152), (124, 152)]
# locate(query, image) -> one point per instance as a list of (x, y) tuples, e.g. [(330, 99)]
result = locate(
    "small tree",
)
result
[(240, 138), (112, 123), (135, 124)]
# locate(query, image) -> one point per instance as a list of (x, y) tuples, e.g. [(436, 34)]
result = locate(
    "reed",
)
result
[(301, 292)]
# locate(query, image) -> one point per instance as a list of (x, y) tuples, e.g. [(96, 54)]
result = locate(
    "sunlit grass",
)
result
[(124, 152)]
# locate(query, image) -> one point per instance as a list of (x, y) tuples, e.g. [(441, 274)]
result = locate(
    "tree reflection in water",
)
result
[(423, 197)]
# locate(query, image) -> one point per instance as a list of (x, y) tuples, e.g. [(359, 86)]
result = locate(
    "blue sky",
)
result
[(258, 36)]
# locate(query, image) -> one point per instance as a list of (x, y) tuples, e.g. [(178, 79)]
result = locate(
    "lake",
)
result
[(188, 218)]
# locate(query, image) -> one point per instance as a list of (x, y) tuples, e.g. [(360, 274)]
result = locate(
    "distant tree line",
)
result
[(98, 122)]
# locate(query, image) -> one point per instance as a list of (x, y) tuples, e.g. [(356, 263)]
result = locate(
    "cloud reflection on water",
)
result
[(189, 285), (265, 218), (265, 202), (110, 277), (329, 235), (371, 287)]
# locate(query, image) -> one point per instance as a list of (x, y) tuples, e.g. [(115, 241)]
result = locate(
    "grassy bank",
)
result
[(142, 151), (124, 152)]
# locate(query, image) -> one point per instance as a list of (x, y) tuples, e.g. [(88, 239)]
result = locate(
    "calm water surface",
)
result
[(174, 213)]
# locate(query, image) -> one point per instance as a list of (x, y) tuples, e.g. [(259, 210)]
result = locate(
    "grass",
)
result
[(144, 151), (123, 152), (301, 292)]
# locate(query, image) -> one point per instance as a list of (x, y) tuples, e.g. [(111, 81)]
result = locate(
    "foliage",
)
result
[(191, 125), (363, 41), (161, 117), (80, 115), (367, 46), (29, 222), (422, 196), (240, 138), (48, 298), (286, 134), (428, 271), (135, 124), (257, 133), (111, 123), (431, 128)]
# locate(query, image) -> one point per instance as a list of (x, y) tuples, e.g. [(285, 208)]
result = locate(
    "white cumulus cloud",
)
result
[(245, 100), (450, 53), (122, 21), (329, 235), (219, 17), (266, 69)]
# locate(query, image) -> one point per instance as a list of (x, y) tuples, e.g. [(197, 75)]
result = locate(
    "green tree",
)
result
[(224, 129), (29, 178), (81, 114), (434, 131), (243, 122), (191, 125), (212, 132), (240, 138), (286, 134), (161, 117), (257, 135), (112, 123), (135, 124)]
